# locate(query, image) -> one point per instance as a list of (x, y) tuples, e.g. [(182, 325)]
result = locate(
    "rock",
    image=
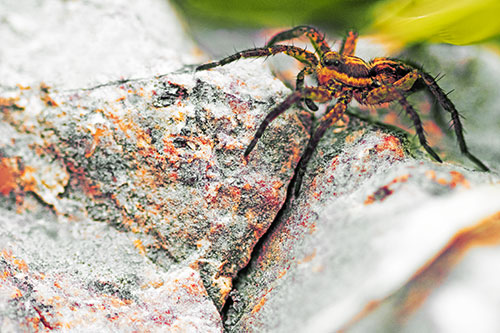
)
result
[(140, 182), (126, 203), (373, 234), (80, 44), (161, 158), (85, 276)]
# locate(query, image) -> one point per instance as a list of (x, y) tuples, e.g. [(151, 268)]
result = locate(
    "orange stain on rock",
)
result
[(392, 144), (98, 133), (139, 246), (16, 293), (384, 191), (430, 276), (484, 233), (308, 257), (8, 176), (456, 178)]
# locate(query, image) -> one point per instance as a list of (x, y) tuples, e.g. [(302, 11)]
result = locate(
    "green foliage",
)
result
[(458, 22), (337, 14), (400, 22)]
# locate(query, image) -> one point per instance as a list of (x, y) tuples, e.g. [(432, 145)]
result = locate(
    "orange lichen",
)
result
[(28, 180), (282, 273), (171, 152), (16, 179), (16, 293), (156, 284), (384, 191), (353, 136), (97, 137), (8, 102), (456, 179), (392, 144), (138, 245), (20, 264), (238, 107), (8, 176), (21, 87), (308, 257), (259, 305), (44, 95)]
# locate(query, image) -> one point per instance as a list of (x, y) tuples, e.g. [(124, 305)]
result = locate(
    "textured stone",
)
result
[(85, 276), (161, 158), (355, 247), (126, 204), (79, 44)]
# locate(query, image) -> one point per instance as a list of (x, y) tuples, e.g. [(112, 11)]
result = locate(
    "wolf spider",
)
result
[(343, 76)]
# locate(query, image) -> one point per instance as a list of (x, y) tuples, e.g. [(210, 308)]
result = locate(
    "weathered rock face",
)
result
[(85, 276), (375, 234), (80, 44), (126, 204), (365, 222), (161, 159)]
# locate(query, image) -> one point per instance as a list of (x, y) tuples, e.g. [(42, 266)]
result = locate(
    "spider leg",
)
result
[(391, 92), (349, 43), (299, 85), (315, 93), (333, 113), (419, 128), (316, 38), (298, 53), (445, 102)]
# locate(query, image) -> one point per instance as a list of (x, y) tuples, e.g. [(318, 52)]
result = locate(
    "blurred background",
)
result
[(457, 40), (398, 23)]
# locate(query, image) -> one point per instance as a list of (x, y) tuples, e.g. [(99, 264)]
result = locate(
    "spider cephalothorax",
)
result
[(343, 76)]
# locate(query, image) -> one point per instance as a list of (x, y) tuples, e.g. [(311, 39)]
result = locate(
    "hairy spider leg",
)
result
[(446, 104), (332, 115), (395, 91), (413, 75), (315, 93), (299, 84), (316, 38), (349, 43), (419, 128), (298, 53)]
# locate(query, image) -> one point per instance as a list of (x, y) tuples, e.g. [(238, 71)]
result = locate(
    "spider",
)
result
[(341, 76)]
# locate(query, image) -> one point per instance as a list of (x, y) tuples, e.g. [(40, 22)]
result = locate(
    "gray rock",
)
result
[(367, 237), (126, 204)]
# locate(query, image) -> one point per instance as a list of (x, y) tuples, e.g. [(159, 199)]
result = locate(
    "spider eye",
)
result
[(332, 62)]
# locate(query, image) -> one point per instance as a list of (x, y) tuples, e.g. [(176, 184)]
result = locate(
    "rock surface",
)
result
[(80, 44), (376, 233), (126, 204), (152, 167)]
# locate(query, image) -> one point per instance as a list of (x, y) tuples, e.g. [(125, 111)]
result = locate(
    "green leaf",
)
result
[(458, 22)]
